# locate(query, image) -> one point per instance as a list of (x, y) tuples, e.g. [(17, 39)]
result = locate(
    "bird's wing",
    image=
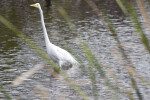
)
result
[(64, 57), (61, 53), (51, 50)]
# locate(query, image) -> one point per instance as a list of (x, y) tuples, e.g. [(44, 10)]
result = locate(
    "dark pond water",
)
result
[(17, 57)]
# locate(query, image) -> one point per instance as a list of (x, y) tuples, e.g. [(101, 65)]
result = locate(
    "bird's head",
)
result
[(37, 5)]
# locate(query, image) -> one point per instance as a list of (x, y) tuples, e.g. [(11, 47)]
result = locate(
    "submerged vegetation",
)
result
[(93, 67)]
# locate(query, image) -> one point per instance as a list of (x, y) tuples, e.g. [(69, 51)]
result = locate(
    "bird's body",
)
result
[(63, 58)]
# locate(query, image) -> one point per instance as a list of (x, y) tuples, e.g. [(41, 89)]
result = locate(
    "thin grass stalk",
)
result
[(93, 80), (43, 55), (132, 16), (144, 40), (126, 60), (109, 26), (122, 7), (112, 74), (77, 58), (139, 29), (93, 62), (97, 12), (127, 14), (27, 74), (143, 80), (92, 75), (29, 42), (70, 24), (148, 1), (112, 30), (144, 11), (134, 84), (92, 57)]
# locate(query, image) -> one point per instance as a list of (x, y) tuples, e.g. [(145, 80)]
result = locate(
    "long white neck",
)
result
[(47, 41)]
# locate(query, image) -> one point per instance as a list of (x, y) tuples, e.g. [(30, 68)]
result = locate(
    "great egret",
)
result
[(63, 58)]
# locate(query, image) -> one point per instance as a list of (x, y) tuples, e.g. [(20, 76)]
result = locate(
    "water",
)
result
[(17, 57)]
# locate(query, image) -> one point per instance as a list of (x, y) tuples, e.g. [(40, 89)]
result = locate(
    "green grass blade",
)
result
[(136, 89), (133, 17), (43, 55), (122, 7), (91, 58), (29, 42)]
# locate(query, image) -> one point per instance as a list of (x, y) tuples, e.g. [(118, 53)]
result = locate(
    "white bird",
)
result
[(60, 56)]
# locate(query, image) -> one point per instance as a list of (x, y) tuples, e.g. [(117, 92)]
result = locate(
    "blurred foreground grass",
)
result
[(129, 10), (25, 75)]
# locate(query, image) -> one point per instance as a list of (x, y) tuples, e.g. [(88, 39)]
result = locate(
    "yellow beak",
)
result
[(33, 5)]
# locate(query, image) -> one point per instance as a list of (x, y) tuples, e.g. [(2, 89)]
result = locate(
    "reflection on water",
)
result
[(17, 57)]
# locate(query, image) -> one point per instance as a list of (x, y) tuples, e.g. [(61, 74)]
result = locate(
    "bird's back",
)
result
[(63, 58)]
